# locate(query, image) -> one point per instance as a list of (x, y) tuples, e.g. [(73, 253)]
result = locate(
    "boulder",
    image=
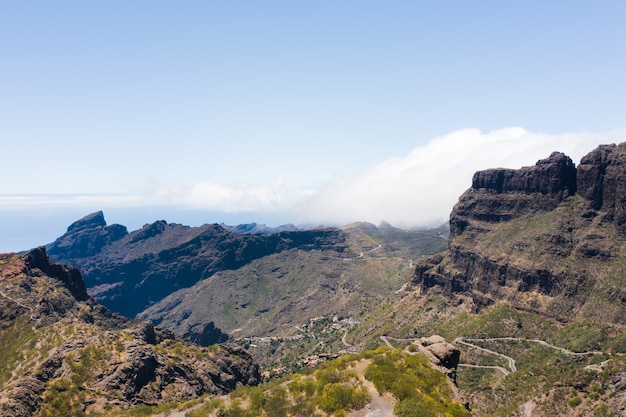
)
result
[(447, 354)]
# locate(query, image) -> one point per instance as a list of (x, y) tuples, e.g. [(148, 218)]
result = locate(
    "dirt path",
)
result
[(379, 405)]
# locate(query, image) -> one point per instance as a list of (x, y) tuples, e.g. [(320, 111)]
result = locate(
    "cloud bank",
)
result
[(415, 190), (421, 188)]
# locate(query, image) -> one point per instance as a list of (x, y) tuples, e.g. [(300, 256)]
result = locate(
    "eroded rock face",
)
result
[(537, 231), (555, 175), (447, 354), (601, 179), (70, 277), (25, 397), (503, 194)]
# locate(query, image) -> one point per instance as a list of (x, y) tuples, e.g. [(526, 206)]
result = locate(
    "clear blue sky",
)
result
[(253, 106)]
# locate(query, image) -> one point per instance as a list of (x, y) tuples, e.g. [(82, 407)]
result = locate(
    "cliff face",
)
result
[(62, 353), (547, 238), (601, 178), (503, 194)]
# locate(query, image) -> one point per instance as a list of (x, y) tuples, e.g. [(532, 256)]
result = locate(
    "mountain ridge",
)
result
[(129, 273), (64, 354)]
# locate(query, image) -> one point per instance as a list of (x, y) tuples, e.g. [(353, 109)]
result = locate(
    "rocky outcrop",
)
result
[(37, 259), (555, 176), (443, 353), (64, 354), (86, 237), (24, 398), (209, 335), (532, 236)]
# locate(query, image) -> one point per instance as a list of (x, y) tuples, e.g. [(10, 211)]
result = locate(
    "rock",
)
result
[(601, 179), (86, 237), (209, 335), (90, 221), (500, 194), (146, 333), (70, 277), (427, 341), (447, 354), (24, 398), (555, 175), (440, 352)]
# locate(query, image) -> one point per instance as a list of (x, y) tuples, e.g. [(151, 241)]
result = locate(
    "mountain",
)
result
[(532, 288), (549, 239), (274, 295), (260, 229), (210, 285), (128, 272), (530, 291), (64, 354)]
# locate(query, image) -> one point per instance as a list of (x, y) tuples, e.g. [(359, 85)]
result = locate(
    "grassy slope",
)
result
[(337, 388)]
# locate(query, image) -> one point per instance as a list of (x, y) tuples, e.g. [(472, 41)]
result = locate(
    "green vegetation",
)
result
[(336, 388), (419, 389), (540, 368), (62, 398), (332, 390)]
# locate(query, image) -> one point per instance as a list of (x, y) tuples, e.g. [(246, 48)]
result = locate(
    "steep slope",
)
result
[(276, 298), (547, 239), (533, 288), (61, 353), (129, 273)]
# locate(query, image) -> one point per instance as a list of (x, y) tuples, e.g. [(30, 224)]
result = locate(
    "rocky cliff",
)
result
[(61, 353), (547, 238)]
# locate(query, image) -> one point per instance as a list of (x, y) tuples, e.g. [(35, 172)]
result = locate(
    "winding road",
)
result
[(510, 360)]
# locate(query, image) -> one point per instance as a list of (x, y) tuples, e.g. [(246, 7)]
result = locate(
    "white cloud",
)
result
[(269, 197), (421, 188), (418, 189)]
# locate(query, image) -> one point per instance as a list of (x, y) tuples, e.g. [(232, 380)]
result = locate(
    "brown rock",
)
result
[(446, 354), (601, 179)]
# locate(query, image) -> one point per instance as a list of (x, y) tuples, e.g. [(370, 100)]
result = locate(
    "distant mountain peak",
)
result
[(90, 221)]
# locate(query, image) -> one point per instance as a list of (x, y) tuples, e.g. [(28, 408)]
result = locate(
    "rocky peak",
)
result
[(555, 175), (70, 277), (502, 194), (86, 237), (90, 221)]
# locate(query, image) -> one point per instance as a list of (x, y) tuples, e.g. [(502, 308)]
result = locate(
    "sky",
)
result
[(323, 112)]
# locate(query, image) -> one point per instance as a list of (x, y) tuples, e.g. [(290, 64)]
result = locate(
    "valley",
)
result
[(517, 309)]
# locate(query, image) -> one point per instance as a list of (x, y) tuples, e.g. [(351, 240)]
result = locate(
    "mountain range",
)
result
[(527, 285)]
